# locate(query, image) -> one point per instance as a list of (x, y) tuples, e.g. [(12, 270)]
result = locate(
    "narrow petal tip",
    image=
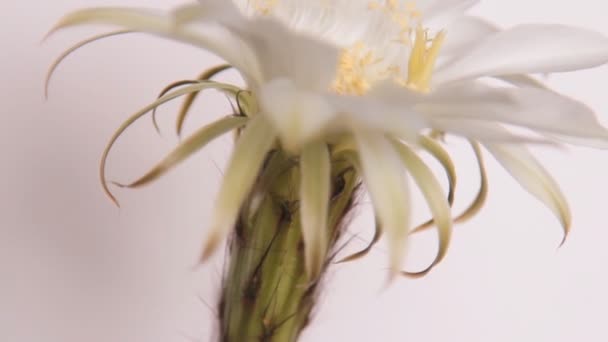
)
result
[(564, 237), (111, 197)]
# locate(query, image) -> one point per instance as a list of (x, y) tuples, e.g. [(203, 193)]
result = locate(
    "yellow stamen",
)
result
[(352, 78), (359, 68), (422, 60)]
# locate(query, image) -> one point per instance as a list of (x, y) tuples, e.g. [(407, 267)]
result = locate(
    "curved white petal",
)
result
[(534, 179), (246, 160), (599, 143), (434, 195), (439, 14), (280, 52), (541, 110), (298, 115), (522, 81), (386, 108), (384, 177), (464, 33), (341, 22), (314, 201), (525, 49), (309, 62), (486, 131)]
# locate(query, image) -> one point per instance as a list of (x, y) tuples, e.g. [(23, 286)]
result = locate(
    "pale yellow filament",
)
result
[(263, 7)]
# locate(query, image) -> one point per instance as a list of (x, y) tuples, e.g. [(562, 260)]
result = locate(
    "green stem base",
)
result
[(266, 295)]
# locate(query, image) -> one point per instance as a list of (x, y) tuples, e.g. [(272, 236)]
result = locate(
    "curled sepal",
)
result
[(242, 170), (185, 108), (384, 177), (195, 142), (137, 115), (482, 193), (535, 179), (435, 198), (71, 50), (314, 201), (152, 22), (360, 254), (442, 156), (166, 90)]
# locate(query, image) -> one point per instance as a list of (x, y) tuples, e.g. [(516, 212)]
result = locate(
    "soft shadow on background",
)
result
[(75, 268)]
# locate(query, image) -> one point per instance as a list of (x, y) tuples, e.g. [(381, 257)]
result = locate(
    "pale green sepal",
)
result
[(360, 254), (435, 198), (148, 21), (247, 158), (194, 143), (72, 49), (134, 117), (438, 152), (314, 202), (384, 177), (189, 100), (482, 193), (533, 177)]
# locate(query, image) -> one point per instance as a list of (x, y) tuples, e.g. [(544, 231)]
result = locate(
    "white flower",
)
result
[(373, 79)]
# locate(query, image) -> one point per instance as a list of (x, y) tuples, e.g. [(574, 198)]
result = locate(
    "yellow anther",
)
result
[(353, 70)]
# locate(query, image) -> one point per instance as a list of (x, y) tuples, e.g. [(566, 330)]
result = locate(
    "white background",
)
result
[(75, 268)]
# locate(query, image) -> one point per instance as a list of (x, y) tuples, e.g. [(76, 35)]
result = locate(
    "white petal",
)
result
[(298, 115), (529, 49), (314, 199), (384, 177), (599, 143), (534, 178), (341, 22), (441, 13), (465, 33), (485, 131), (542, 110), (242, 171), (522, 81), (280, 52), (434, 195), (309, 62), (387, 108)]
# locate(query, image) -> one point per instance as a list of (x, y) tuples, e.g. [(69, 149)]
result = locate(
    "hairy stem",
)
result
[(266, 295)]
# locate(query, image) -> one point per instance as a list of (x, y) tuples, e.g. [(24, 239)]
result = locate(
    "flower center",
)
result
[(360, 66), (363, 64)]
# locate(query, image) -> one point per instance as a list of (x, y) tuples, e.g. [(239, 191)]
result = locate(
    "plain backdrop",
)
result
[(76, 268)]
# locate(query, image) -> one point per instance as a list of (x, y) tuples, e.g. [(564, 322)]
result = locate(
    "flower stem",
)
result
[(267, 296)]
